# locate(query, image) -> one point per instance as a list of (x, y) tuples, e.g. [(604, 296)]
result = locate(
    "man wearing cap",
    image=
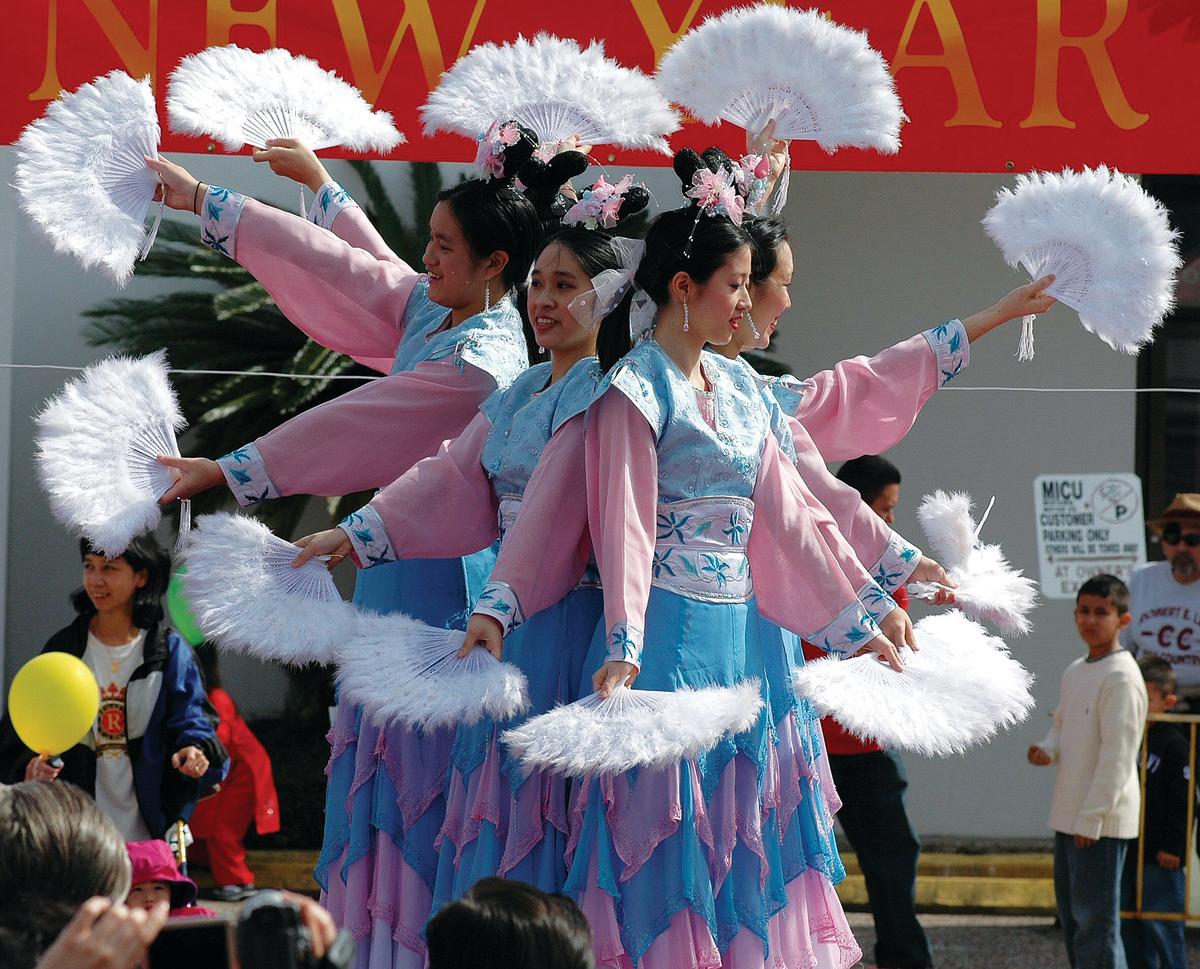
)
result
[(1165, 598)]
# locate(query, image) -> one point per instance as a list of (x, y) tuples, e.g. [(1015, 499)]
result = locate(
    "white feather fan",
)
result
[(1109, 243), (97, 442), (242, 97), (81, 173), (989, 588), (957, 690), (403, 671), (556, 88), (817, 80), (247, 597), (633, 728)]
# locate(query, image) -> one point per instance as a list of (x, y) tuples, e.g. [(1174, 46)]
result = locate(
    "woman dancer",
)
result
[(498, 821), (641, 861), (450, 339)]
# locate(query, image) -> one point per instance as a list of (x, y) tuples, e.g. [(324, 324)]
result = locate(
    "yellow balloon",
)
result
[(53, 702)]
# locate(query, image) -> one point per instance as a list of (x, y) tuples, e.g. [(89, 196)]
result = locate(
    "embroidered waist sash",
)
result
[(700, 548)]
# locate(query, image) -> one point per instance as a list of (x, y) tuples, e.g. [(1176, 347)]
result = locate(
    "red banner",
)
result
[(988, 85)]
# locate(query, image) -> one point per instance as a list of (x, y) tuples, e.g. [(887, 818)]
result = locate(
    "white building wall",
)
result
[(878, 257)]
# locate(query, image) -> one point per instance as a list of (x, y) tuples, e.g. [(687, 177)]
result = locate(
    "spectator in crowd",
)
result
[(63, 874), (503, 924), (157, 879), (247, 795), (153, 748), (1165, 598), (1159, 944), (1094, 740), (871, 782)]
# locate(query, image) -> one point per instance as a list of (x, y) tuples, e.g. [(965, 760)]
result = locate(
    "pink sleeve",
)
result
[(866, 405), (364, 439), (545, 551), (889, 558), (440, 507), (806, 578), (334, 209), (341, 296), (622, 501)]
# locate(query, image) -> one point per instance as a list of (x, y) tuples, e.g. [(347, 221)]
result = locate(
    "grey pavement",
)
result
[(991, 941)]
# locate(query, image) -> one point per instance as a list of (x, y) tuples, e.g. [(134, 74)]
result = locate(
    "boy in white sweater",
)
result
[(1097, 729)]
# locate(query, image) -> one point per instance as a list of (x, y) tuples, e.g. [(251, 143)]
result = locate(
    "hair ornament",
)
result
[(609, 287), (716, 193), (504, 148), (600, 205), (750, 178)]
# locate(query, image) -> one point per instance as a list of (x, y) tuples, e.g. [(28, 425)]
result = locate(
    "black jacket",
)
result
[(166, 709), (1166, 791)]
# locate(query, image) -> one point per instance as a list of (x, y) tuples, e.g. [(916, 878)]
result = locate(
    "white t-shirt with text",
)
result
[(1166, 622)]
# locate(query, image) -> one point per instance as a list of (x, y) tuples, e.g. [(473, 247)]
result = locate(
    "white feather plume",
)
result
[(817, 80), (988, 588), (81, 174), (958, 689), (404, 671), (97, 441), (1110, 244), (556, 88), (243, 97), (247, 597), (633, 728)]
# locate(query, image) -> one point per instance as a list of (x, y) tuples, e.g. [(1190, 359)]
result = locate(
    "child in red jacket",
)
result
[(220, 822)]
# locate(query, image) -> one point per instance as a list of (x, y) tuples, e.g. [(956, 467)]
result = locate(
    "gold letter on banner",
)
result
[(1050, 43), (366, 77), (654, 23), (954, 59), (222, 18), (136, 58)]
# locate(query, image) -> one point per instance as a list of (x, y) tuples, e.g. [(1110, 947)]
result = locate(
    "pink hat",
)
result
[(154, 861)]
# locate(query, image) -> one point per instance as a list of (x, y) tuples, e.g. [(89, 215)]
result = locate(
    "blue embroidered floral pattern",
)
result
[(500, 602), (246, 475), (787, 391), (848, 632), (330, 201), (368, 536), (625, 644), (953, 350), (897, 563), (877, 602), (219, 215)]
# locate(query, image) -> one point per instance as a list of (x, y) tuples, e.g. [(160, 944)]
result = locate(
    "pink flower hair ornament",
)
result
[(600, 205), (717, 194), (495, 144)]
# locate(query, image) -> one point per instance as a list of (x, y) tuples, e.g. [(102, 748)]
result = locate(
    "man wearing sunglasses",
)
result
[(1165, 598)]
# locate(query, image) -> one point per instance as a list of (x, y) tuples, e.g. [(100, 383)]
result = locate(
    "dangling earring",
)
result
[(685, 316), (541, 351), (487, 296), (753, 326)]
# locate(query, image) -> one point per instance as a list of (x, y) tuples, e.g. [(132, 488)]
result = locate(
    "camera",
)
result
[(272, 935)]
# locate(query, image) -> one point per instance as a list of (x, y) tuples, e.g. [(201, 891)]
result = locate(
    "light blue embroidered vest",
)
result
[(525, 416), (706, 474), (523, 419), (492, 341)]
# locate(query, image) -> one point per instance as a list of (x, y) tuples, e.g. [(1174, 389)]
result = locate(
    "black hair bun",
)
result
[(541, 175), (688, 162), (543, 179), (635, 201)]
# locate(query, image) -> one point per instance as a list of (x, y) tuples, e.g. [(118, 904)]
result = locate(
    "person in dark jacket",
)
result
[(153, 748), (1154, 943)]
